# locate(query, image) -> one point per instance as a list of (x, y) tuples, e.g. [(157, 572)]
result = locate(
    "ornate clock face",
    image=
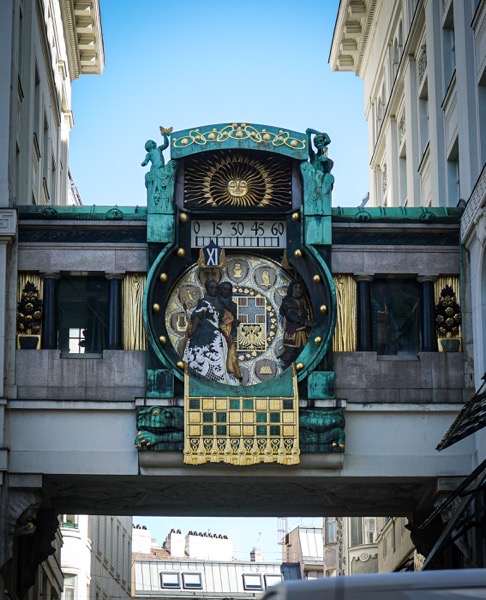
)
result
[(259, 285)]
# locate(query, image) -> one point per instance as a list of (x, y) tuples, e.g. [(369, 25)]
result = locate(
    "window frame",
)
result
[(190, 586), (249, 586), (268, 576), (167, 585)]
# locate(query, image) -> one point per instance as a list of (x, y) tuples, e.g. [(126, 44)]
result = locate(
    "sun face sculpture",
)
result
[(237, 179)]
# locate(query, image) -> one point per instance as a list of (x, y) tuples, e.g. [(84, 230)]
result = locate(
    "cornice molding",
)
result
[(81, 20), (351, 32)]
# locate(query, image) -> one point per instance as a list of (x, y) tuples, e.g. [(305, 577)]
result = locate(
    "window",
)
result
[(69, 521), (453, 179), (395, 316), (356, 531), (170, 580), (370, 530), (252, 582), (312, 574), (192, 581), (423, 112), (331, 530), (69, 592), (448, 45), (83, 314), (272, 580)]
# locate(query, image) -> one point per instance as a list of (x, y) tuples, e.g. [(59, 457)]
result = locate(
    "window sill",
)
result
[(85, 355), (397, 357)]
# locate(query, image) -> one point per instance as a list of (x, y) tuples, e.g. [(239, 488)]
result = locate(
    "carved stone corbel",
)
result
[(19, 509)]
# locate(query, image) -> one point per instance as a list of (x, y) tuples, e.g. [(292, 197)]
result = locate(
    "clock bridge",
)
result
[(237, 347)]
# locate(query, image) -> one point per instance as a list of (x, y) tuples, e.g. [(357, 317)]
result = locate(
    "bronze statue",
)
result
[(294, 309)]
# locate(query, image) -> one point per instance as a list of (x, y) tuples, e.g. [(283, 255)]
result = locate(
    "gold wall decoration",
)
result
[(439, 284), (241, 431), (237, 179), (344, 339), (34, 278), (240, 132), (133, 328)]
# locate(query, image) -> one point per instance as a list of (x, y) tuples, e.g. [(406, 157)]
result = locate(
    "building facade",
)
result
[(338, 395), (423, 64), (304, 546), (199, 564), (44, 47), (96, 556)]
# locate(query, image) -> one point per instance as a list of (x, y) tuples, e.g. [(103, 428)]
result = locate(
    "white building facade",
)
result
[(44, 46), (423, 63), (196, 565), (96, 556)]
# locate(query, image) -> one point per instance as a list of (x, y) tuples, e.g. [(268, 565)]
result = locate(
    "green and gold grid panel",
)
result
[(247, 417), (242, 430)]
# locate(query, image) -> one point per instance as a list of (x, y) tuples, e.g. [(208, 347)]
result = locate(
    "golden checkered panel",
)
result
[(241, 431)]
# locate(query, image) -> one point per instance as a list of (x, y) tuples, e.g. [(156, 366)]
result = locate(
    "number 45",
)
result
[(258, 228)]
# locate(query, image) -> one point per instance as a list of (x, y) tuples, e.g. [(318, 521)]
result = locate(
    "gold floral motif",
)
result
[(239, 131)]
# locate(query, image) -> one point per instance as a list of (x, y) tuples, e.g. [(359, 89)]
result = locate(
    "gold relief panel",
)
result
[(237, 179), (239, 132)]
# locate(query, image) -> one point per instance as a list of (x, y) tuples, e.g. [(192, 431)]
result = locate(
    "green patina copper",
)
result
[(82, 213), (318, 184), (380, 214), (322, 430), (161, 428), (160, 184), (239, 135), (280, 386), (320, 384), (431, 215), (160, 383)]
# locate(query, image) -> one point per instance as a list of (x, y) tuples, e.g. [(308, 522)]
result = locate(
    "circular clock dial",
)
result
[(259, 286)]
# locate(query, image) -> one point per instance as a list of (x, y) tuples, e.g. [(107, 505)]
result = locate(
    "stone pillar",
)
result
[(427, 314), (49, 311), (115, 341), (8, 229), (364, 313), (437, 158)]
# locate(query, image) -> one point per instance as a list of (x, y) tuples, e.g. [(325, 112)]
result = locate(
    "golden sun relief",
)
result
[(237, 179)]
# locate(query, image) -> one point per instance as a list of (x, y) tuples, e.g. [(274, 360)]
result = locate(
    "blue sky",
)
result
[(200, 62)]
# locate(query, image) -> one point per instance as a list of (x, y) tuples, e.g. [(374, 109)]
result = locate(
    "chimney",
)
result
[(256, 556), (174, 543)]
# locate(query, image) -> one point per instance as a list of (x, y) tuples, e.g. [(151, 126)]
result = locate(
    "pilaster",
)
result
[(115, 311), (8, 230), (435, 96), (49, 316), (429, 337), (411, 134), (364, 312)]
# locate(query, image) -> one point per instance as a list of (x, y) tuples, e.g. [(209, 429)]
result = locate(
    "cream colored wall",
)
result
[(394, 545), (453, 102)]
